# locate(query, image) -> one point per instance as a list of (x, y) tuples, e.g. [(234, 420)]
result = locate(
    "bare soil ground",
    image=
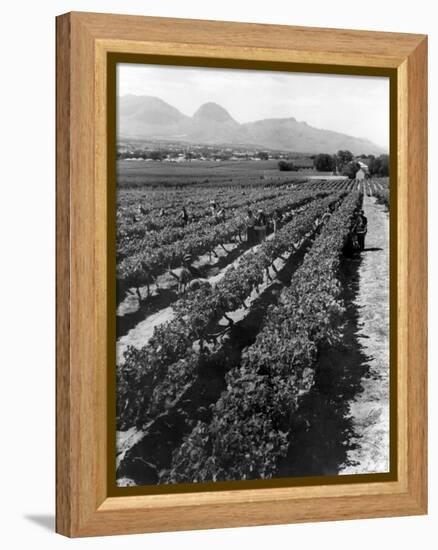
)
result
[(342, 424), (370, 408)]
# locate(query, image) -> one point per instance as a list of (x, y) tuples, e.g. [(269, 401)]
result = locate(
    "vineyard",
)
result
[(220, 339)]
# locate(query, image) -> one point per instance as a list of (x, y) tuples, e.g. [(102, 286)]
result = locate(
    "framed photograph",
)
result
[(241, 274)]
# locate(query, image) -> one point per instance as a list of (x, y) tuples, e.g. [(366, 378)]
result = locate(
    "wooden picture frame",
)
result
[(85, 42)]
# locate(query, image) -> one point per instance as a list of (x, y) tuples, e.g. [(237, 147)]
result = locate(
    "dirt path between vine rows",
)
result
[(370, 408), (139, 335)]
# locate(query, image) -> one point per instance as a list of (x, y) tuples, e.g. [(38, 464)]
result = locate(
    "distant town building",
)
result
[(363, 171), (360, 174)]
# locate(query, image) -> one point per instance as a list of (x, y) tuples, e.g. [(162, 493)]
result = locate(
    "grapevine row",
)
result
[(248, 432), (130, 272), (170, 349), (131, 224), (171, 233)]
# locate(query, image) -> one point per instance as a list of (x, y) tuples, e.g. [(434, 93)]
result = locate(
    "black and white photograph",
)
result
[(252, 275)]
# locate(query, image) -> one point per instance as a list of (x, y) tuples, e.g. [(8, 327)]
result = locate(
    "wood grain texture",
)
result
[(248, 35), (402, 269), (63, 403), (417, 274), (83, 41)]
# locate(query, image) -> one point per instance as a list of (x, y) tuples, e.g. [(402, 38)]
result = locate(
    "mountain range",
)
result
[(150, 117)]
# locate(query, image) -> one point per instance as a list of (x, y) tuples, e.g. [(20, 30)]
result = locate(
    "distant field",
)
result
[(133, 173)]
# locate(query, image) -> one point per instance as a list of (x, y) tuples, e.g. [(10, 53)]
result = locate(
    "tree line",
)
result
[(344, 163)]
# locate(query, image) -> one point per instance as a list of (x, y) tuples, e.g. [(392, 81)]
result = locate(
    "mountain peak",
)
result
[(151, 117), (141, 112), (212, 111)]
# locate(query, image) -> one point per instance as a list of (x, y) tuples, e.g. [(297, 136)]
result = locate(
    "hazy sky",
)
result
[(354, 105)]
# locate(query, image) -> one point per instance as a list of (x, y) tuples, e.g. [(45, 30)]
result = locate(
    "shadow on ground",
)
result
[(47, 521), (162, 299), (372, 249), (322, 430)]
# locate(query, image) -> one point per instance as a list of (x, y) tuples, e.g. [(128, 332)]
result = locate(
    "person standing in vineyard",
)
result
[(260, 226), (184, 216), (221, 215), (250, 229), (276, 219), (361, 228), (326, 216)]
